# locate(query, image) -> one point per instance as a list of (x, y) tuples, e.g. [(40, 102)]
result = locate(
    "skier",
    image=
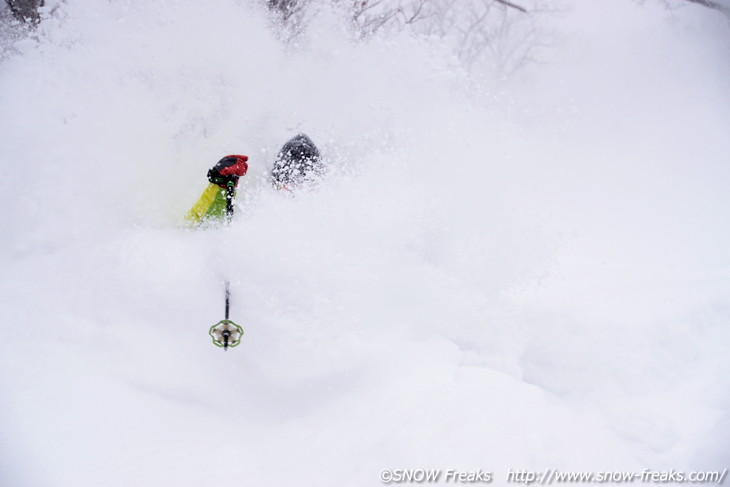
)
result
[(215, 206), (216, 202), (298, 161)]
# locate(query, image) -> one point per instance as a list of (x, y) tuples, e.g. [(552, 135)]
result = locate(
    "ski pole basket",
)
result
[(226, 334)]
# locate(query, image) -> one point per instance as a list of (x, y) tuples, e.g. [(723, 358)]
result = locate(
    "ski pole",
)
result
[(230, 194), (226, 333)]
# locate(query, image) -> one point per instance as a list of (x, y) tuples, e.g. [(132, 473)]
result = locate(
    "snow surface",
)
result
[(494, 276)]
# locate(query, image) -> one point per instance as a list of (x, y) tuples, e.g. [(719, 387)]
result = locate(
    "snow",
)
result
[(522, 275)]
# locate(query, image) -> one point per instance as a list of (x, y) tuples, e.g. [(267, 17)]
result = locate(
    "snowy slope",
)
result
[(525, 277)]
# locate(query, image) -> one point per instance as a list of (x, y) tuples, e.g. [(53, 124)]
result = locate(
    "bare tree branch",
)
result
[(524, 10), (494, 36), (712, 5), (415, 15)]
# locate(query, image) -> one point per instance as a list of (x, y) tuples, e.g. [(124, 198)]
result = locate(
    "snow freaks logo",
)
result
[(420, 476)]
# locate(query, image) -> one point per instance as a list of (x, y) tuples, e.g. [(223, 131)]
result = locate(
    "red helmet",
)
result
[(228, 169)]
